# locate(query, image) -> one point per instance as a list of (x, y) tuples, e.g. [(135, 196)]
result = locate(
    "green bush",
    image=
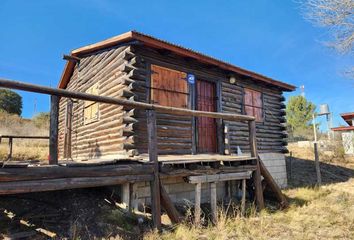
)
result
[(10, 102)]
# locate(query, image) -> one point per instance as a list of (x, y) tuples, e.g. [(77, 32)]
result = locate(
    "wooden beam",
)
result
[(54, 171), (257, 174), (197, 209), (116, 101), (53, 130), (219, 177), (67, 183), (168, 205), (25, 137), (153, 158)]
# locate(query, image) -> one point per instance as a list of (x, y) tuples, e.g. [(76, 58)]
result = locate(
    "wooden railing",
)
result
[(151, 110), (11, 137)]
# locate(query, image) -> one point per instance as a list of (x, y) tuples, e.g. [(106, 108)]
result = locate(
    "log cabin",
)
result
[(138, 67), (163, 122)]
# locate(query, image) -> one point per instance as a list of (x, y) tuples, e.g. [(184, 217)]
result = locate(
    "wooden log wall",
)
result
[(124, 72), (108, 137), (271, 133), (175, 132)]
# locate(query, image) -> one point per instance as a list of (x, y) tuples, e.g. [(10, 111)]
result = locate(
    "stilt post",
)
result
[(153, 158), (197, 210), (213, 205), (257, 174)]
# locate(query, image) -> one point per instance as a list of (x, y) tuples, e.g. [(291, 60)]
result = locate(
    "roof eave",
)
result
[(156, 43)]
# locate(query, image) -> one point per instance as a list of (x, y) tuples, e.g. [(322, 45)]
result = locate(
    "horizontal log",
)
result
[(24, 137), (52, 172), (68, 183), (84, 96)]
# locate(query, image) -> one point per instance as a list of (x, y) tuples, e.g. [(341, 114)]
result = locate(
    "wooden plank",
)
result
[(257, 174), (25, 137), (197, 209), (53, 132), (213, 203), (67, 183), (219, 177), (53, 171), (273, 185), (168, 205), (153, 158)]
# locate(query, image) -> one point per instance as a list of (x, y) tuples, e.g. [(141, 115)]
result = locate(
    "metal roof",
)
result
[(162, 44)]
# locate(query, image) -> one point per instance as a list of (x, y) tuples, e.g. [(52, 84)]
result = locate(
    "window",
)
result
[(91, 113), (253, 104), (168, 87)]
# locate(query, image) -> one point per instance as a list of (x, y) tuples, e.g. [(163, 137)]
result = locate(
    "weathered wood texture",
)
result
[(271, 135), (105, 137)]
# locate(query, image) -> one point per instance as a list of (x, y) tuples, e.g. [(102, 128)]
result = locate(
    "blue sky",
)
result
[(269, 37)]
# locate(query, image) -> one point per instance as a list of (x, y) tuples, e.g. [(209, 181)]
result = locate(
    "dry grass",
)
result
[(23, 149), (314, 213), (325, 213)]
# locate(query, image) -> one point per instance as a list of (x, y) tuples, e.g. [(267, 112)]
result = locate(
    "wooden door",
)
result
[(206, 127)]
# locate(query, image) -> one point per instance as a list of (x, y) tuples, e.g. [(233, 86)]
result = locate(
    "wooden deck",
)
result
[(22, 177)]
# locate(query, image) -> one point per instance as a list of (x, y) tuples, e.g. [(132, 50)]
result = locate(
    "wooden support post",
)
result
[(10, 148), (213, 205), (153, 158), (126, 195), (168, 205), (257, 175), (53, 130), (197, 210), (317, 165), (243, 200)]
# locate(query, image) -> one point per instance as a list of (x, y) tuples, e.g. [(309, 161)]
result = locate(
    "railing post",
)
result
[(153, 158), (53, 130), (257, 174), (10, 148)]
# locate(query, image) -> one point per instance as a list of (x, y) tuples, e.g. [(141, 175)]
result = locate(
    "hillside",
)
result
[(11, 124)]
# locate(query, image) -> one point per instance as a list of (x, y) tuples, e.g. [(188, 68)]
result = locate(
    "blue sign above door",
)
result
[(191, 78)]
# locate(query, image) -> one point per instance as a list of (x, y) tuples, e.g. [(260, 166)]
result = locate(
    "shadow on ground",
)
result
[(302, 173), (71, 214)]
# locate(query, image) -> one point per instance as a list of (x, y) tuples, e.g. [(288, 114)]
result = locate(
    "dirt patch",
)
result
[(72, 214)]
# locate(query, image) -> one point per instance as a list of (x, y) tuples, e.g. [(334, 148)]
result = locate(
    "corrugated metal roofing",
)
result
[(159, 43)]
